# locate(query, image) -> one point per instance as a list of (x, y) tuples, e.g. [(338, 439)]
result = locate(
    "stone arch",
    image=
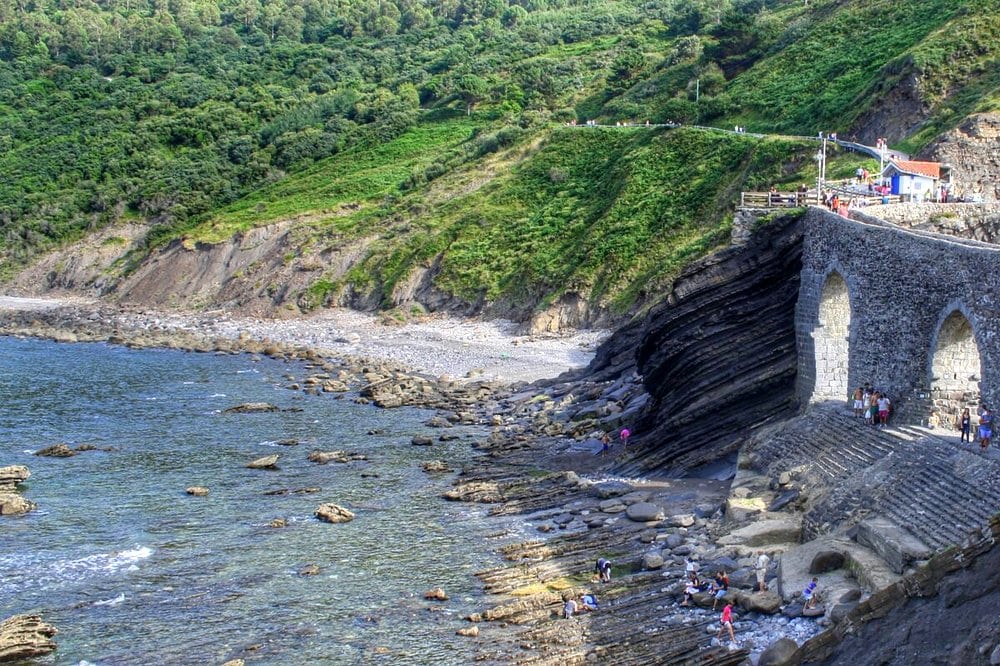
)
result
[(956, 366), (831, 339)]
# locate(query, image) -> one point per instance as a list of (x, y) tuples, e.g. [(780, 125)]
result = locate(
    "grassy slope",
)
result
[(836, 60)]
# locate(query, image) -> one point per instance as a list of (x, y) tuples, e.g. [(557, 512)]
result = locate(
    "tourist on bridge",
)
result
[(985, 428), (965, 425)]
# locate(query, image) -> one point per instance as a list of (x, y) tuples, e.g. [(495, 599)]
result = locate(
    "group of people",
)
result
[(871, 405), (587, 602), (606, 441), (984, 433)]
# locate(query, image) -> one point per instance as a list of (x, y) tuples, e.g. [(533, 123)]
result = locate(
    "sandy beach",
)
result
[(436, 345)]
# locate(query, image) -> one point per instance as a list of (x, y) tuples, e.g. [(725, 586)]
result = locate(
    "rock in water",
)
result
[(472, 631), (267, 462), (331, 513), (56, 451), (251, 407), (25, 636), (197, 491), (11, 502), (437, 594)]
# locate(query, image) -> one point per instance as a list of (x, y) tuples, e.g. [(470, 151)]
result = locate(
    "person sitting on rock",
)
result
[(726, 622), (719, 587), (691, 588), (810, 595)]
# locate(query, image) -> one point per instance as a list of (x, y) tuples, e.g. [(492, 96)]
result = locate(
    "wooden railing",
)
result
[(776, 199), (766, 200)]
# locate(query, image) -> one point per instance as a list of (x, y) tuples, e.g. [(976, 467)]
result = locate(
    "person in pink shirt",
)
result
[(726, 622), (625, 435)]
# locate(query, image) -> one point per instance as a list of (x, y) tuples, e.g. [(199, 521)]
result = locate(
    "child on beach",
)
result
[(726, 622)]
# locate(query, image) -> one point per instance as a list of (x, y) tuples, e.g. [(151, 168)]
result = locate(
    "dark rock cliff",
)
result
[(718, 358)]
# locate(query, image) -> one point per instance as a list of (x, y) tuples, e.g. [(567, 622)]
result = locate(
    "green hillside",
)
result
[(437, 131)]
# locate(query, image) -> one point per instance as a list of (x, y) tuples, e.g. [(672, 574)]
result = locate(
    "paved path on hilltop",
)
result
[(872, 151)]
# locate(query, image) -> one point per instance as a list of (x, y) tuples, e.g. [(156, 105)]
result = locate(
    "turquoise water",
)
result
[(131, 570)]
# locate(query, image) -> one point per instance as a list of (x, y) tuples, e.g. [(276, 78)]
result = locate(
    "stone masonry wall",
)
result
[(975, 221), (902, 287)]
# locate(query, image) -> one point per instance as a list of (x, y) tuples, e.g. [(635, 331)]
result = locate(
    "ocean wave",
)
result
[(35, 572), (114, 601)]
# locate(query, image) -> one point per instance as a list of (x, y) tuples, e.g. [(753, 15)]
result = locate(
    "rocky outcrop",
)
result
[(971, 150), (267, 462), (719, 357), (25, 636), (11, 502)]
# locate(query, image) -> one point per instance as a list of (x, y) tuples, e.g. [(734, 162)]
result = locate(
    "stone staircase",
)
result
[(936, 489)]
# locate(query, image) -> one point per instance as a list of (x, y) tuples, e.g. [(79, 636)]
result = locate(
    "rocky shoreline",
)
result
[(647, 528)]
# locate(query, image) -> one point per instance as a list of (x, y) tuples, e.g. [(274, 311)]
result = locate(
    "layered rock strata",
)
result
[(718, 358), (25, 636), (11, 502)]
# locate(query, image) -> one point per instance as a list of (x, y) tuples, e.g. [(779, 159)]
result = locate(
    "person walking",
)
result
[(719, 587), (625, 434), (726, 622), (985, 428)]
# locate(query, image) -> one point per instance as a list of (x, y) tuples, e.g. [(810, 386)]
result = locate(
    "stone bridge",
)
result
[(913, 312)]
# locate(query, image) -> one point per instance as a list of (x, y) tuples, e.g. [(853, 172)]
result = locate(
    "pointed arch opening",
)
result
[(831, 339), (956, 368)]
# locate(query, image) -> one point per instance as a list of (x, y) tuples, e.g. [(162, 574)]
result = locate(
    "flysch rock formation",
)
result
[(25, 636), (11, 501)]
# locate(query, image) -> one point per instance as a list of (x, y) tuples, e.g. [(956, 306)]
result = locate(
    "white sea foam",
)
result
[(217, 395), (111, 602)]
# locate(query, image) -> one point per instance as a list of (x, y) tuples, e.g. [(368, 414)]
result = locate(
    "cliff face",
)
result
[(718, 357), (973, 151)]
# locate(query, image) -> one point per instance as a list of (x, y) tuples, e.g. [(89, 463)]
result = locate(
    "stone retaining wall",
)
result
[(902, 287), (979, 222)]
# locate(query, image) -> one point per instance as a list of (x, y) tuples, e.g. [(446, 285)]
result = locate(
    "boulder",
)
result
[(706, 510), (652, 560), (267, 462), (826, 560), (612, 506), (12, 504), (421, 440), (841, 610), (309, 570), (437, 466), (759, 602), (278, 523), (472, 631), (779, 653), (251, 407), (682, 520), (436, 594), (642, 512), (331, 513), (56, 451), (784, 499), (675, 541), (25, 637), (11, 476), (197, 491), (608, 489)]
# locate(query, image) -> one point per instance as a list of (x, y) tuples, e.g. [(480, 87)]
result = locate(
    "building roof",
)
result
[(914, 168)]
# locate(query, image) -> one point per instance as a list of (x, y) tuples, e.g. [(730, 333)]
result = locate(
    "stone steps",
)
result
[(937, 490)]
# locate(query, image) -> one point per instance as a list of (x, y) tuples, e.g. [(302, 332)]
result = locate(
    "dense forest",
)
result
[(200, 119)]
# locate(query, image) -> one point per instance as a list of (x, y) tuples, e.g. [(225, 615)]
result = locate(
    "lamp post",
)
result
[(821, 172), (881, 159)]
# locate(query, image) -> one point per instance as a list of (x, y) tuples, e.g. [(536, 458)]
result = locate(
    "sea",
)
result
[(132, 570)]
